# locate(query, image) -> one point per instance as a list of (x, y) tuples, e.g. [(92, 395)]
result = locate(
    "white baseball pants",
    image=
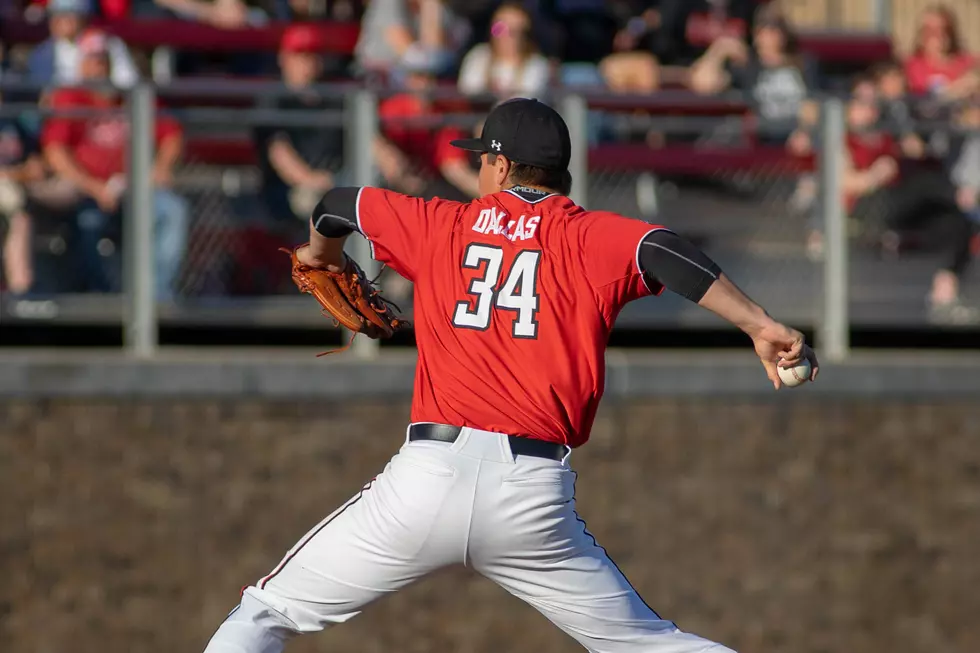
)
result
[(510, 518)]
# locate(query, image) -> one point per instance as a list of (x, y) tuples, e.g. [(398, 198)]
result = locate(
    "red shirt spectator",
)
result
[(98, 143), (428, 146), (939, 59), (866, 148), (925, 75)]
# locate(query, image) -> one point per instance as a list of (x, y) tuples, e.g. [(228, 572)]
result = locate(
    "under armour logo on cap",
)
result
[(534, 134)]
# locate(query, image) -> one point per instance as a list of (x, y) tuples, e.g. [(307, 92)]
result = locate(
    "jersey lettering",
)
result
[(519, 292), (490, 221)]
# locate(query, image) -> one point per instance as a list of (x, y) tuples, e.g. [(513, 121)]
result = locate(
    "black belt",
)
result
[(518, 446)]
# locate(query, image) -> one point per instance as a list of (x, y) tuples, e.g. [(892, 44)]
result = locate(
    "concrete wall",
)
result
[(796, 523)]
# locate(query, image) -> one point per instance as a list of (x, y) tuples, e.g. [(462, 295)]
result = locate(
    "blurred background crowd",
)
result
[(678, 90)]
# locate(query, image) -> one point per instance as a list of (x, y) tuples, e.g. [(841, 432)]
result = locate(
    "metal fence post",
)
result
[(575, 110), (140, 330), (881, 14), (362, 111), (834, 330)]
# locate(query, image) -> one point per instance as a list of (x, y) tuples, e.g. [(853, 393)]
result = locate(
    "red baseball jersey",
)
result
[(515, 296)]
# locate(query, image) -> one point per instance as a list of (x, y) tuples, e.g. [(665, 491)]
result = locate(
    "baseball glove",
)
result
[(350, 298)]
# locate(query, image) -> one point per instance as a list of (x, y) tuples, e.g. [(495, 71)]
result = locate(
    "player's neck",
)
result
[(541, 189)]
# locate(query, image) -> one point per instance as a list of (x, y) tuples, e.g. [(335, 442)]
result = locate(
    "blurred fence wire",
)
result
[(255, 163)]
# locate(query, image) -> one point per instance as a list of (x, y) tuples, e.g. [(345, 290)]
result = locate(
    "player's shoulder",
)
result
[(375, 197), (606, 220)]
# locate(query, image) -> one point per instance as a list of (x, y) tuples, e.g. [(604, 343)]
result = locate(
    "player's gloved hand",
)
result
[(346, 295), (780, 346)]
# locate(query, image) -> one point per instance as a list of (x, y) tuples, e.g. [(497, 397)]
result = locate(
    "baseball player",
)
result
[(515, 296)]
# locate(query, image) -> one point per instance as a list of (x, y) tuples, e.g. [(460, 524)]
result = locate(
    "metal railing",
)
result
[(695, 170)]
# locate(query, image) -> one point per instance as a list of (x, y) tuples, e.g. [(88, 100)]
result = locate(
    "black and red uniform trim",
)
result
[(285, 561)]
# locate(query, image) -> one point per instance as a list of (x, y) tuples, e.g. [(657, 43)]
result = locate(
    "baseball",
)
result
[(794, 376)]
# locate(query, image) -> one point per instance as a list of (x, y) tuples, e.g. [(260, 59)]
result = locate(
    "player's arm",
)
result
[(332, 221), (679, 266), (670, 261)]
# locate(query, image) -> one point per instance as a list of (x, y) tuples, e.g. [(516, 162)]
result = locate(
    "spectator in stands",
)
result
[(922, 205), (509, 65), (939, 66), (334, 10), (408, 33), (299, 163), (225, 14), (632, 67), (896, 108), (964, 160), (688, 27), (418, 158), (19, 165), (91, 152), (776, 77), (585, 29), (56, 60)]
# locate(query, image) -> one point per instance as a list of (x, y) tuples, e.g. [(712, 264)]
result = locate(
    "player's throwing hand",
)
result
[(780, 346)]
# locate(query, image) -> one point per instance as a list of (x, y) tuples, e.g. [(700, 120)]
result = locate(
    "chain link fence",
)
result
[(708, 179), (253, 167), (251, 177)]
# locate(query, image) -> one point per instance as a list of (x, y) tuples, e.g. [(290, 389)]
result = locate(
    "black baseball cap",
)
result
[(525, 131)]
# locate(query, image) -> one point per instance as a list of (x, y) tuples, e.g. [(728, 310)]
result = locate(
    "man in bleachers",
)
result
[(19, 164), (225, 14), (91, 153), (897, 114), (417, 158), (56, 60), (688, 27), (632, 67), (964, 159), (414, 33), (772, 72), (299, 163)]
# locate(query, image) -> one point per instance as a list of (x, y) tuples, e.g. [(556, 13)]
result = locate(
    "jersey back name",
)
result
[(515, 296)]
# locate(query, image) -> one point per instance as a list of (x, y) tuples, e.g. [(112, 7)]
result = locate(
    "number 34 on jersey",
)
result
[(519, 290)]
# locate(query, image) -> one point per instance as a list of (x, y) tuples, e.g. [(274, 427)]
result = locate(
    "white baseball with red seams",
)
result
[(797, 375)]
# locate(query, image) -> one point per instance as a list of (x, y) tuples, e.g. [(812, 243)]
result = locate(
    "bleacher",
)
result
[(224, 158)]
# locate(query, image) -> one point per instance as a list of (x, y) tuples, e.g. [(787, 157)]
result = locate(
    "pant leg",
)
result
[(376, 543), (170, 239), (951, 233), (538, 549), (92, 224)]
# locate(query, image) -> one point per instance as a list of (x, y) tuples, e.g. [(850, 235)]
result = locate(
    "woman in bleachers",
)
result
[(771, 72), (509, 64), (939, 66)]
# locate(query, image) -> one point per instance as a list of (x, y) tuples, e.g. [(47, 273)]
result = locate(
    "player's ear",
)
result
[(501, 170)]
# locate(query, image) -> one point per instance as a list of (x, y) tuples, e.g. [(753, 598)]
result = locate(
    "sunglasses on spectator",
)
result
[(501, 28)]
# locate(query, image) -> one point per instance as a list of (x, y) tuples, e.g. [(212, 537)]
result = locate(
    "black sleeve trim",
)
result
[(335, 216), (667, 259)]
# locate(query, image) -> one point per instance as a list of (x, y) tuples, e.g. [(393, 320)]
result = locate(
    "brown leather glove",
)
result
[(349, 297)]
